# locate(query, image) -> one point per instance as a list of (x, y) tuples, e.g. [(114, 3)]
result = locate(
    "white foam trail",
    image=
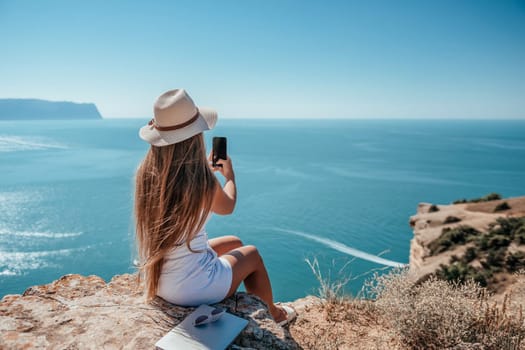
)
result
[(39, 234), (344, 248), (18, 143)]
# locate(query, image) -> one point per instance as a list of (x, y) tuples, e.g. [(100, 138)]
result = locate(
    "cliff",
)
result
[(429, 224), (27, 109), (78, 312)]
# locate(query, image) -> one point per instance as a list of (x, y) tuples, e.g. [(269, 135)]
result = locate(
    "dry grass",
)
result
[(352, 324), (339, 321), (438, 315), (398, 314), (331, 290)]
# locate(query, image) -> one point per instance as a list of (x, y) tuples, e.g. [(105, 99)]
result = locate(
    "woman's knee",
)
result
[(231, 240), (224, 244), (247, 255), (254, 252), (236, 240)]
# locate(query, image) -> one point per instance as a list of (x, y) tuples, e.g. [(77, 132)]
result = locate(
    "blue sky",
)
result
[(276, 59)]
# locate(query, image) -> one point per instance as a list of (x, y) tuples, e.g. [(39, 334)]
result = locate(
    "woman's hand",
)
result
[(226, 168), (225, 198)]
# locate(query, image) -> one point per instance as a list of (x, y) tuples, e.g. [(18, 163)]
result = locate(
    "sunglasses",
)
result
[(213, 316)]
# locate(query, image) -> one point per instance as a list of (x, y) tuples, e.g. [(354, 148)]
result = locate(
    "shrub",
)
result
[(519, 235), (514, 228), (461, 272), (491, 197), (490, 249), (497, 241), (438, 314), (454, 258), (487, 198), (452, 237), (495, 258), (460, 201), (451, 220), (470, 255), (483, 242), (502, 206), (433, 208), (506, 226), (515, 261)]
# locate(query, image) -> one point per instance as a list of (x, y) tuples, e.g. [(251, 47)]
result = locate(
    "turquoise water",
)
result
[(330, 190)]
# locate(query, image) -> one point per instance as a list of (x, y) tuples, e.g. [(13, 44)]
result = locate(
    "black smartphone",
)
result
[(219, 150)]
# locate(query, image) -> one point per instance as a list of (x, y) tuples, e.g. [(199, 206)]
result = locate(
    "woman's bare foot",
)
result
[(278, 314)]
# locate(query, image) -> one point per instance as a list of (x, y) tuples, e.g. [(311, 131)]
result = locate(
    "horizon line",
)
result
[(347, 118)]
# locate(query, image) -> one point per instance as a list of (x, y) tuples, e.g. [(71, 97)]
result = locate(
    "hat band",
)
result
[(174, 127)]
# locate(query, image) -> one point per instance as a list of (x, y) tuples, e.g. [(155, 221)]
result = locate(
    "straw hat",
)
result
[(176, 118)]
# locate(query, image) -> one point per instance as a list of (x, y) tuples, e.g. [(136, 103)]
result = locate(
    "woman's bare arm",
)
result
[(225, 197)]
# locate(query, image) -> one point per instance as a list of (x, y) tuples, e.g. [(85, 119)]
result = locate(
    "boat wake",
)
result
[(343, 248)]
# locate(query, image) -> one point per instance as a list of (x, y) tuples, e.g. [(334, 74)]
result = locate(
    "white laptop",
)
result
[(213, 336)]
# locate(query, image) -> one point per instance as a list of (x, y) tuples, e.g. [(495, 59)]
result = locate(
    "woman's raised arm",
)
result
[(225, 197)]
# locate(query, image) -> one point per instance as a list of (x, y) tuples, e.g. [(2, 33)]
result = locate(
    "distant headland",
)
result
[(34, 109)]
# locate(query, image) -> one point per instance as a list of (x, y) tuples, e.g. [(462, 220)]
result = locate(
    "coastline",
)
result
[(87, 312)]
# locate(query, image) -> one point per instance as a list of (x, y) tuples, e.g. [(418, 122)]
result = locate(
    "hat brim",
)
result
[(205, 121)]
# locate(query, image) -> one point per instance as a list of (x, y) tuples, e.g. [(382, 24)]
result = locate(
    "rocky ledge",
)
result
[(78, 312)]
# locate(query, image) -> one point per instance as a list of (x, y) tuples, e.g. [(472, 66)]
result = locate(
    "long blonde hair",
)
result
[(173, 197)]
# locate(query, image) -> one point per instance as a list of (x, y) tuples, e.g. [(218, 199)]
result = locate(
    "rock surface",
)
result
[(77, 312)]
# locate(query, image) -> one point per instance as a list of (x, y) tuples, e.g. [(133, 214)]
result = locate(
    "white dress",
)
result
[(192, 279)]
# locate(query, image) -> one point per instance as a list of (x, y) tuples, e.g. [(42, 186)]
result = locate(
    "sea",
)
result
[(335, 194)]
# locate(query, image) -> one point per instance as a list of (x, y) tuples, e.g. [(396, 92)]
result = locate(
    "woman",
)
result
[(176, 192)]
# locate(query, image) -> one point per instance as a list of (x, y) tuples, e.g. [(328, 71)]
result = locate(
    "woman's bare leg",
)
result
[(224, 244), (248, 266)]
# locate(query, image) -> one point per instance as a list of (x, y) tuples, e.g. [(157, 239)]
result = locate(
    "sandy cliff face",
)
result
[(428, 226)]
